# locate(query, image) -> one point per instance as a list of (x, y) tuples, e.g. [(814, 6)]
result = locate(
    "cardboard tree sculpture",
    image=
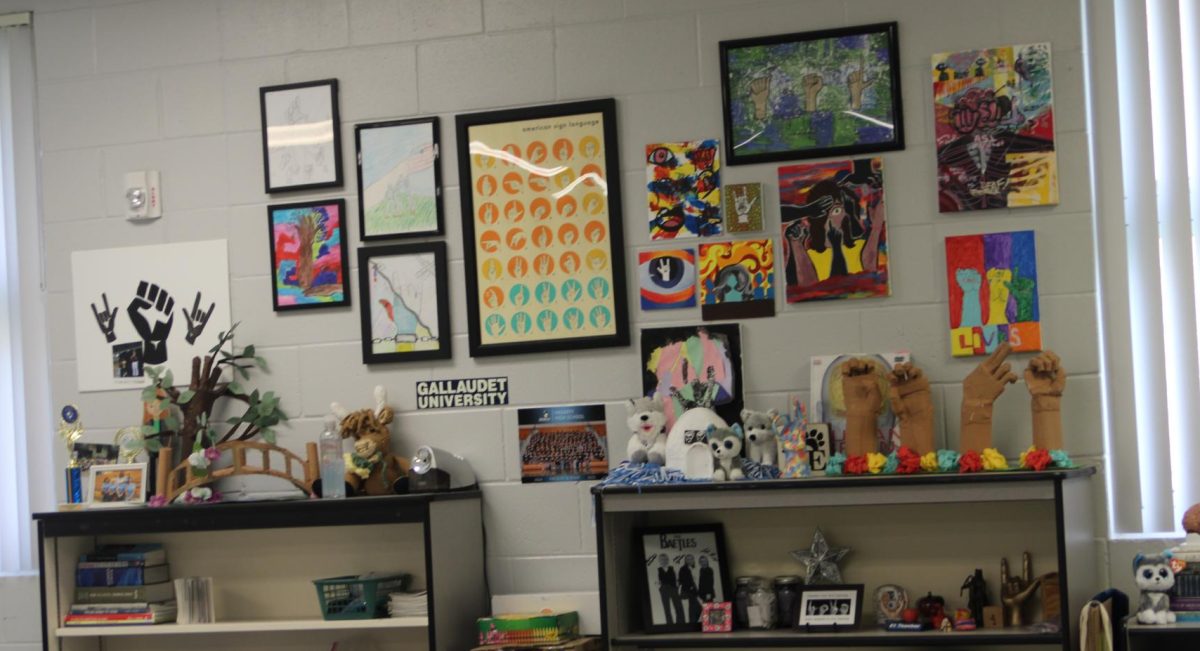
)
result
[(687, 446), (864, 401), (912, 403), (1046, 379), (371, 469), (980, 390)]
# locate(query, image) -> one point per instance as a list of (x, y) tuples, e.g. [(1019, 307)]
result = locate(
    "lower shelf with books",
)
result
[(258, 626)]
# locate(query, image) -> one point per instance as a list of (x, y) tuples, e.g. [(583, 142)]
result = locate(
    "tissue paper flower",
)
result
[(833, 467), (947, 460), (1061, 459), (909, 461), (856, 465), (970, 462), (993, 460), (875, 462), (929, 462), (1035, 459), (893, 462)]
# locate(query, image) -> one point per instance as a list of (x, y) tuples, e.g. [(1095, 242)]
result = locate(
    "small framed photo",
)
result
[(399, 179), (405, 305), (302, 142), (309, 264), (828, 607), (685, 568), (87, 455), (832, 92), (118, 484)]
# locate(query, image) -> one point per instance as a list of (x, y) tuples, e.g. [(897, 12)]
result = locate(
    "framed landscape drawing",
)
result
[(399, 179), (812, 94), (302, 141), (309, 268), (404, 306), (541, 216)]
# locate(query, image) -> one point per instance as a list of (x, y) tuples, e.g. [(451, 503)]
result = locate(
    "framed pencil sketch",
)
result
[(399, 179), (405, 305), (541, 216), (833, 92), (309, 263), (302, 142)]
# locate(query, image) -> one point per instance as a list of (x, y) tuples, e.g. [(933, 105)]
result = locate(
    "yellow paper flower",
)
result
[(1025, 454), (929, 462), (993, 460), (875, 462)]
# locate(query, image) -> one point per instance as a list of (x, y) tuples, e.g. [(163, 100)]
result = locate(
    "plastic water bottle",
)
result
[(333, 465)]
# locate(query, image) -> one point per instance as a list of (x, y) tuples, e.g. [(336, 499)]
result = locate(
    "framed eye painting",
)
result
[(309, 267), (399, 179), (812, 94), (404, 306), (541, 211), (302, 142)]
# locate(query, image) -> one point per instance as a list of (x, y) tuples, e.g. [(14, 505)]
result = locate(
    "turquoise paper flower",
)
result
[(948, 460), (834, 466)]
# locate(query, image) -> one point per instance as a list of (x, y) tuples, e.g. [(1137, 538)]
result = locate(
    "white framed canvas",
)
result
[(302, 143)]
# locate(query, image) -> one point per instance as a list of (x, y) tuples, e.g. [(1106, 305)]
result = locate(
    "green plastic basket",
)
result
[(358, 596)]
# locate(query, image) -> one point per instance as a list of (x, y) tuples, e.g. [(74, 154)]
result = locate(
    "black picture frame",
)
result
[(834, 593), (728, 87), (731, 333), (273, 181), (366, 255), (618, 306), (366, 234), (647, 591), (344, 253)]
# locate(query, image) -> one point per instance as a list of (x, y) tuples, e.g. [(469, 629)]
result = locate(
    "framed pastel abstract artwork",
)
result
[(679, 361), (541, 215), (737, 280), (994, 128), (301, 134), (993, 285), (834, 230), (667, 279), (405, 305), (683, 183), (833, 92), (309, 268), (399, 179)]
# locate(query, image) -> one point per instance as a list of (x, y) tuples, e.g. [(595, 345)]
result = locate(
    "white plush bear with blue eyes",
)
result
[(726, 444), (1155, 578)]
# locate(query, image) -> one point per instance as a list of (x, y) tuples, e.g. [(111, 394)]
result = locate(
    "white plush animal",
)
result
[(1155, 578), (726, 444), (648, 423), (762, 446)]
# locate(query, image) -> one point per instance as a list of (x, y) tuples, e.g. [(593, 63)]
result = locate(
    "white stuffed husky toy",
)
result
[(1155, 577), (726, 444), (648, 423), (762, 446)]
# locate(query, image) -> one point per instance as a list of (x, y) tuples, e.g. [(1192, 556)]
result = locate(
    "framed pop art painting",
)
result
[(309, 268)]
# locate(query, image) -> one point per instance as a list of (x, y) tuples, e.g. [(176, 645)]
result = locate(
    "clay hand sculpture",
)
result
[(1014, 592), (1046, 378), (980, 390), (860, 385), (912, 403)]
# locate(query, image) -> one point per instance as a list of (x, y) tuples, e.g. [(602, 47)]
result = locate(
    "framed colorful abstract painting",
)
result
[(683, 181), (743, 207), (301, 136), (994, 128), (541, 216), (833, 92), (404, 307), (993, 293), (667, 279), (688, 358), (737, 280), (834, 228), (399, 179), (308, 254)]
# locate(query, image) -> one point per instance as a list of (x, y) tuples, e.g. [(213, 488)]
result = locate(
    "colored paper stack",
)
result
[(122, 585), (546, 626)]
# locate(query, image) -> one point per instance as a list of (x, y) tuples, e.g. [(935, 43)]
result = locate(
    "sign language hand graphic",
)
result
[(197, 319), (106, 319), (152, 303)]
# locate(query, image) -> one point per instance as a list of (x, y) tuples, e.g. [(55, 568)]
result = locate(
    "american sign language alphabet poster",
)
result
[(157, 305), (541, 216), (993, 293)]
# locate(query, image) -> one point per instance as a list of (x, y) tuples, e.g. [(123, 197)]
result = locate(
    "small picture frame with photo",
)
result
[(117, 484), (829, 607), (684, 567)]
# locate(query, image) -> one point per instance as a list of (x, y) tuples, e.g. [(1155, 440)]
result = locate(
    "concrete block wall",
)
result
[(173, 85)]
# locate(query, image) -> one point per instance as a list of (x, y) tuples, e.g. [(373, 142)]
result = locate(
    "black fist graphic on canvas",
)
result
[(151, 313)]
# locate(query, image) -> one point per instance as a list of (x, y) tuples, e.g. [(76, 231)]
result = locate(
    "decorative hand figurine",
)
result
[(977, 597), (761, 438), (1046, 378), (687, 447), (649, 426), (1015, 592), (820, 561), (980, 390), (1155, 578), (792, 429), (913, 405), (860, 384)]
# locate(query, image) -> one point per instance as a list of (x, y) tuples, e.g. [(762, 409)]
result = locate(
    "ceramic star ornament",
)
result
[(820, 561)]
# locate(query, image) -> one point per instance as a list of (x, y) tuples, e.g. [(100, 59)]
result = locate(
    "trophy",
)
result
[(70, 430)]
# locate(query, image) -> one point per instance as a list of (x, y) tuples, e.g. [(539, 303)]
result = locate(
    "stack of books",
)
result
[(121, 585)]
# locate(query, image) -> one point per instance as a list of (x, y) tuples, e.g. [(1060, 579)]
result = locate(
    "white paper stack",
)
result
[(194, 596), (408, 604)]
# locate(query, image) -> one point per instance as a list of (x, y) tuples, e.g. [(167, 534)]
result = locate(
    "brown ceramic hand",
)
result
[(987, 381), (913, 404), (1046, 379), (860, 386), (812, 84), (1045, 375)]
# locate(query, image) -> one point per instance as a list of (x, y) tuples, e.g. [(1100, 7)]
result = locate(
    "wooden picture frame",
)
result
[(326, 283), (542, 229), (704, 544), (117, 484), (422, 267), (797, 96), (301, 136), (399, 179), (845, 603)]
